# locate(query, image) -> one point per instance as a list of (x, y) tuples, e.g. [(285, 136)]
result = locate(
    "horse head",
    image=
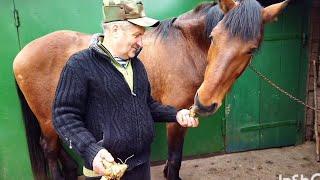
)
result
[(234, 40)]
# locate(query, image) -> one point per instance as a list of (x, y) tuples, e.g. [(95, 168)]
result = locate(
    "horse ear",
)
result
[(271, 12), (226, 5)]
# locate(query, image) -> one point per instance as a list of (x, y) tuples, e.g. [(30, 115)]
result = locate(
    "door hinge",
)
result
[(16, 18), (304, 39)]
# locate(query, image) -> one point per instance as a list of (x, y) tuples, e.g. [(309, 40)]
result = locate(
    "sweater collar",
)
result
[(96, 44), (95, 39)]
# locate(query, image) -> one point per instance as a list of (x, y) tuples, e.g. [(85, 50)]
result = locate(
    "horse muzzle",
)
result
[(201, 110)]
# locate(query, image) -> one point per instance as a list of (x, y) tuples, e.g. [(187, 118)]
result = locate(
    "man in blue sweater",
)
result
[(103, 107)]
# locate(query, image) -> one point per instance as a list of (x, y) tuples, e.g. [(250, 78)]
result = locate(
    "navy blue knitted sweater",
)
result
[(94, 103)]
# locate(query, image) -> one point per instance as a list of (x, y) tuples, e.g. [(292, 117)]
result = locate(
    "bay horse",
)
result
[(192, 60)]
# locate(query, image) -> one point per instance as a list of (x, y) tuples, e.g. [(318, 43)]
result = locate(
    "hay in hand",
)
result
[(113, 170)]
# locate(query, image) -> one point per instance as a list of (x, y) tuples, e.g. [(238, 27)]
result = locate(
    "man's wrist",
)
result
[(91, 153)]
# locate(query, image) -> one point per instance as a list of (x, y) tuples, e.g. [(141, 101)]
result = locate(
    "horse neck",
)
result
[(194, 31)]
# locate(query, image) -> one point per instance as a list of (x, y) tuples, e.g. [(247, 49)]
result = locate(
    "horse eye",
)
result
[(252, 51), (211, 38)]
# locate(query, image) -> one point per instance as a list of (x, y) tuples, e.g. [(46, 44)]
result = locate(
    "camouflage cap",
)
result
[(127, 10)]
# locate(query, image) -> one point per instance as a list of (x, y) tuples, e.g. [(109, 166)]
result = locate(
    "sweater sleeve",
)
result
[(159, 112), (68, 111)]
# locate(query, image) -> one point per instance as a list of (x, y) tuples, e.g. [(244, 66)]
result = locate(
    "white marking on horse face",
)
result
[(20, 77)]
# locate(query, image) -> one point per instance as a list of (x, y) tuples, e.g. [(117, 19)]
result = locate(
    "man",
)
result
[(103, 108)]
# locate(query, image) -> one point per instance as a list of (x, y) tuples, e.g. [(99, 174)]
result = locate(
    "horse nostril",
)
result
[(212, 107)]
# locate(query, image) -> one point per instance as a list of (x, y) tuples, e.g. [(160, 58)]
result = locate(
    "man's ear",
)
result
[(115, 30)]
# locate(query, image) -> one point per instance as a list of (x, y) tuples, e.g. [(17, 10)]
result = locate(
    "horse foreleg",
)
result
[(175, 136), (51, 147), (69, 166)]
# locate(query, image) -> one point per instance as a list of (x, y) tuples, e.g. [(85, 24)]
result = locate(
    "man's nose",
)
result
[(139, 42)]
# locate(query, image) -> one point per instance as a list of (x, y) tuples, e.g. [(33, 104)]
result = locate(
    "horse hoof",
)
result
[(175, 178), (165, 174), (165, 171)]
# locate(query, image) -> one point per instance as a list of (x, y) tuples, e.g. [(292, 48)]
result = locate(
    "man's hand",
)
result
[(185, 120), (97, 164)]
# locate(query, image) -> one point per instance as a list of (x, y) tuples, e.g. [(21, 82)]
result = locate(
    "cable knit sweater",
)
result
[(94, 103)]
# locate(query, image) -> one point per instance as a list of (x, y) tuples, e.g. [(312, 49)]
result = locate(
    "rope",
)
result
[(281, 89)]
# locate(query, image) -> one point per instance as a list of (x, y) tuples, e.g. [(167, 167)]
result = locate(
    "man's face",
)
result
[(129, 40)]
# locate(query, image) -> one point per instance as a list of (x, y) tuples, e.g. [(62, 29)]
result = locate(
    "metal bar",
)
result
[(268, 125)]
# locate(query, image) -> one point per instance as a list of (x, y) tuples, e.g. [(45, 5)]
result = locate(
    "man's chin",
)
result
[(132, 55)]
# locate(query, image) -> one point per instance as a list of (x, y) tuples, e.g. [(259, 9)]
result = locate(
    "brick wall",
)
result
[(313, 56)]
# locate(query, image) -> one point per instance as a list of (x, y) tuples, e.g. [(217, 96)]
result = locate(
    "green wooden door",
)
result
[(14, 159), (257, 115)]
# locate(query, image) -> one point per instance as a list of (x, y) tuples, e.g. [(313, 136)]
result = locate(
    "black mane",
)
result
[(245, 20), (214, 15), (162, 30), (210, 10)]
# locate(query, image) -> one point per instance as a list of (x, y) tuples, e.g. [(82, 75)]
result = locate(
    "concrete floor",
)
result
[(276, 163)]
